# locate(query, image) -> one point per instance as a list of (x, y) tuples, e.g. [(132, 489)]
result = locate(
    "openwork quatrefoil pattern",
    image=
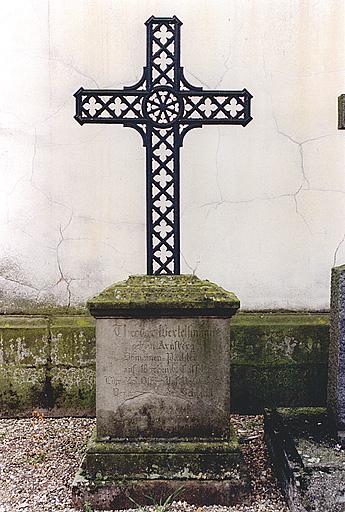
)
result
[(99, 106), (163, 200), (163, 106), (163, 60)]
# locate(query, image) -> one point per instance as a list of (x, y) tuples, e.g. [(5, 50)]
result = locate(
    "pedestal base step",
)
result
[(118, 474), (121, 494)]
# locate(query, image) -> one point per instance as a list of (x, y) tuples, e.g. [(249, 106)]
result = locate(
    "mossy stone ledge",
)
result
[(164, 295)]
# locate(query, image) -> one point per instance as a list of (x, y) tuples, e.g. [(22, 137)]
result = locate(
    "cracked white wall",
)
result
[(263, 208)]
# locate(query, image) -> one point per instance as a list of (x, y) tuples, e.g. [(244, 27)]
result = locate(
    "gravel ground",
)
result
[(39, 457)]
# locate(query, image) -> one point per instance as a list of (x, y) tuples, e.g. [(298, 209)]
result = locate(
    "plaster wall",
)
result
[(263, 207)]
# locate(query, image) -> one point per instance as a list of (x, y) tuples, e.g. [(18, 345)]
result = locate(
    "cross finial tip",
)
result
[(159, 19), (78, 92)]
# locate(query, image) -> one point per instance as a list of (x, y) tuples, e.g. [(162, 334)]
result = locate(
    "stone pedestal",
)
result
[(162, 395), (336, 362)]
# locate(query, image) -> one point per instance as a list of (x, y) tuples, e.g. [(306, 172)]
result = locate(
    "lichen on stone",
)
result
[(164, 291)]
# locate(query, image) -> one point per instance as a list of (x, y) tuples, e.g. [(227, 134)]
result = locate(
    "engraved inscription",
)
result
[(179, 368), (165, 358)]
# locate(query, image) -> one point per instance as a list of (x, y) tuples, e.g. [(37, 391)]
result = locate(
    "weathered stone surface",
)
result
[(279, 338), (336, 366), (116, 472), (24, 341), (162, 395), (24, 354), (163, 377), (163, 357), (255, 386), (341, 112), (307, 459), (73, 341), (154, 459), (173, 295), (72, 391), (277, 359), (112, 495), (72, 370), (21, 389)]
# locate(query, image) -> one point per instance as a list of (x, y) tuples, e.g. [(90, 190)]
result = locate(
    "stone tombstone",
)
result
[(163, 358), (336, 366), (341, 112), (165, 376), (162, 394)]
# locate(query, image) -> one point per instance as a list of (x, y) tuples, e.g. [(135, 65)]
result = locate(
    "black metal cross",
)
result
[(163, 106)]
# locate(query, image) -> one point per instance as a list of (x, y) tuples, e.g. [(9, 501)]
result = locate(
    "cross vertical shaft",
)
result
[(162, 150)]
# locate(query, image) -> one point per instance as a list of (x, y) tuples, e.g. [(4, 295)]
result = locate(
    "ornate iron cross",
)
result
[(163, 106)]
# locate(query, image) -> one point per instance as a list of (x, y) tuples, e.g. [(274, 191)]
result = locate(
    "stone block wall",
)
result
[(47, 362), (279, 360)]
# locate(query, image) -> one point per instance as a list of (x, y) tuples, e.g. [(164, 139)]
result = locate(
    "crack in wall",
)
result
[(34, 153), (213, 405), (52, 114), (77, 70), (337, 250), (63, 278), (217, 167), (20, 283), (198, 79), (111, 223), (80, 143), (304, 185), (227, 68), (193, 269), (69, 65)]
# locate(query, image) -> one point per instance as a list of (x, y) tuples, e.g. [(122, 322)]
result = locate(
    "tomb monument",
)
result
[(163, 339), (307, 444)]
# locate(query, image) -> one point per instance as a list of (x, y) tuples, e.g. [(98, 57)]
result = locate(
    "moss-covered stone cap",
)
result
[(171, 295)]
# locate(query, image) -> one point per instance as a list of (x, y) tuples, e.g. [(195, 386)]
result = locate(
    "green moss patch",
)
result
[(164, 292)]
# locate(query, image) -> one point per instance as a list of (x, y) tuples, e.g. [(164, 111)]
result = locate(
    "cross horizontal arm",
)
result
[(216, 107), (109, 106)]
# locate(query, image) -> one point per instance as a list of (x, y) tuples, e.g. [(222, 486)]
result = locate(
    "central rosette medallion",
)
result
[(163, 107)]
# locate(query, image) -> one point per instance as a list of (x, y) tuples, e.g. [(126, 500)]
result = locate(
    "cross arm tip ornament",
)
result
[(249, 96), (79, 120)]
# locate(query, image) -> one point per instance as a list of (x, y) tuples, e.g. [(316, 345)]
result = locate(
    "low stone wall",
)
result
[(47, 362), (279, 360)]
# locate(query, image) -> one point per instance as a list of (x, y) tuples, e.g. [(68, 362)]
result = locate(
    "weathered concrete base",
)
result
[(115, 474), (307, 457)]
